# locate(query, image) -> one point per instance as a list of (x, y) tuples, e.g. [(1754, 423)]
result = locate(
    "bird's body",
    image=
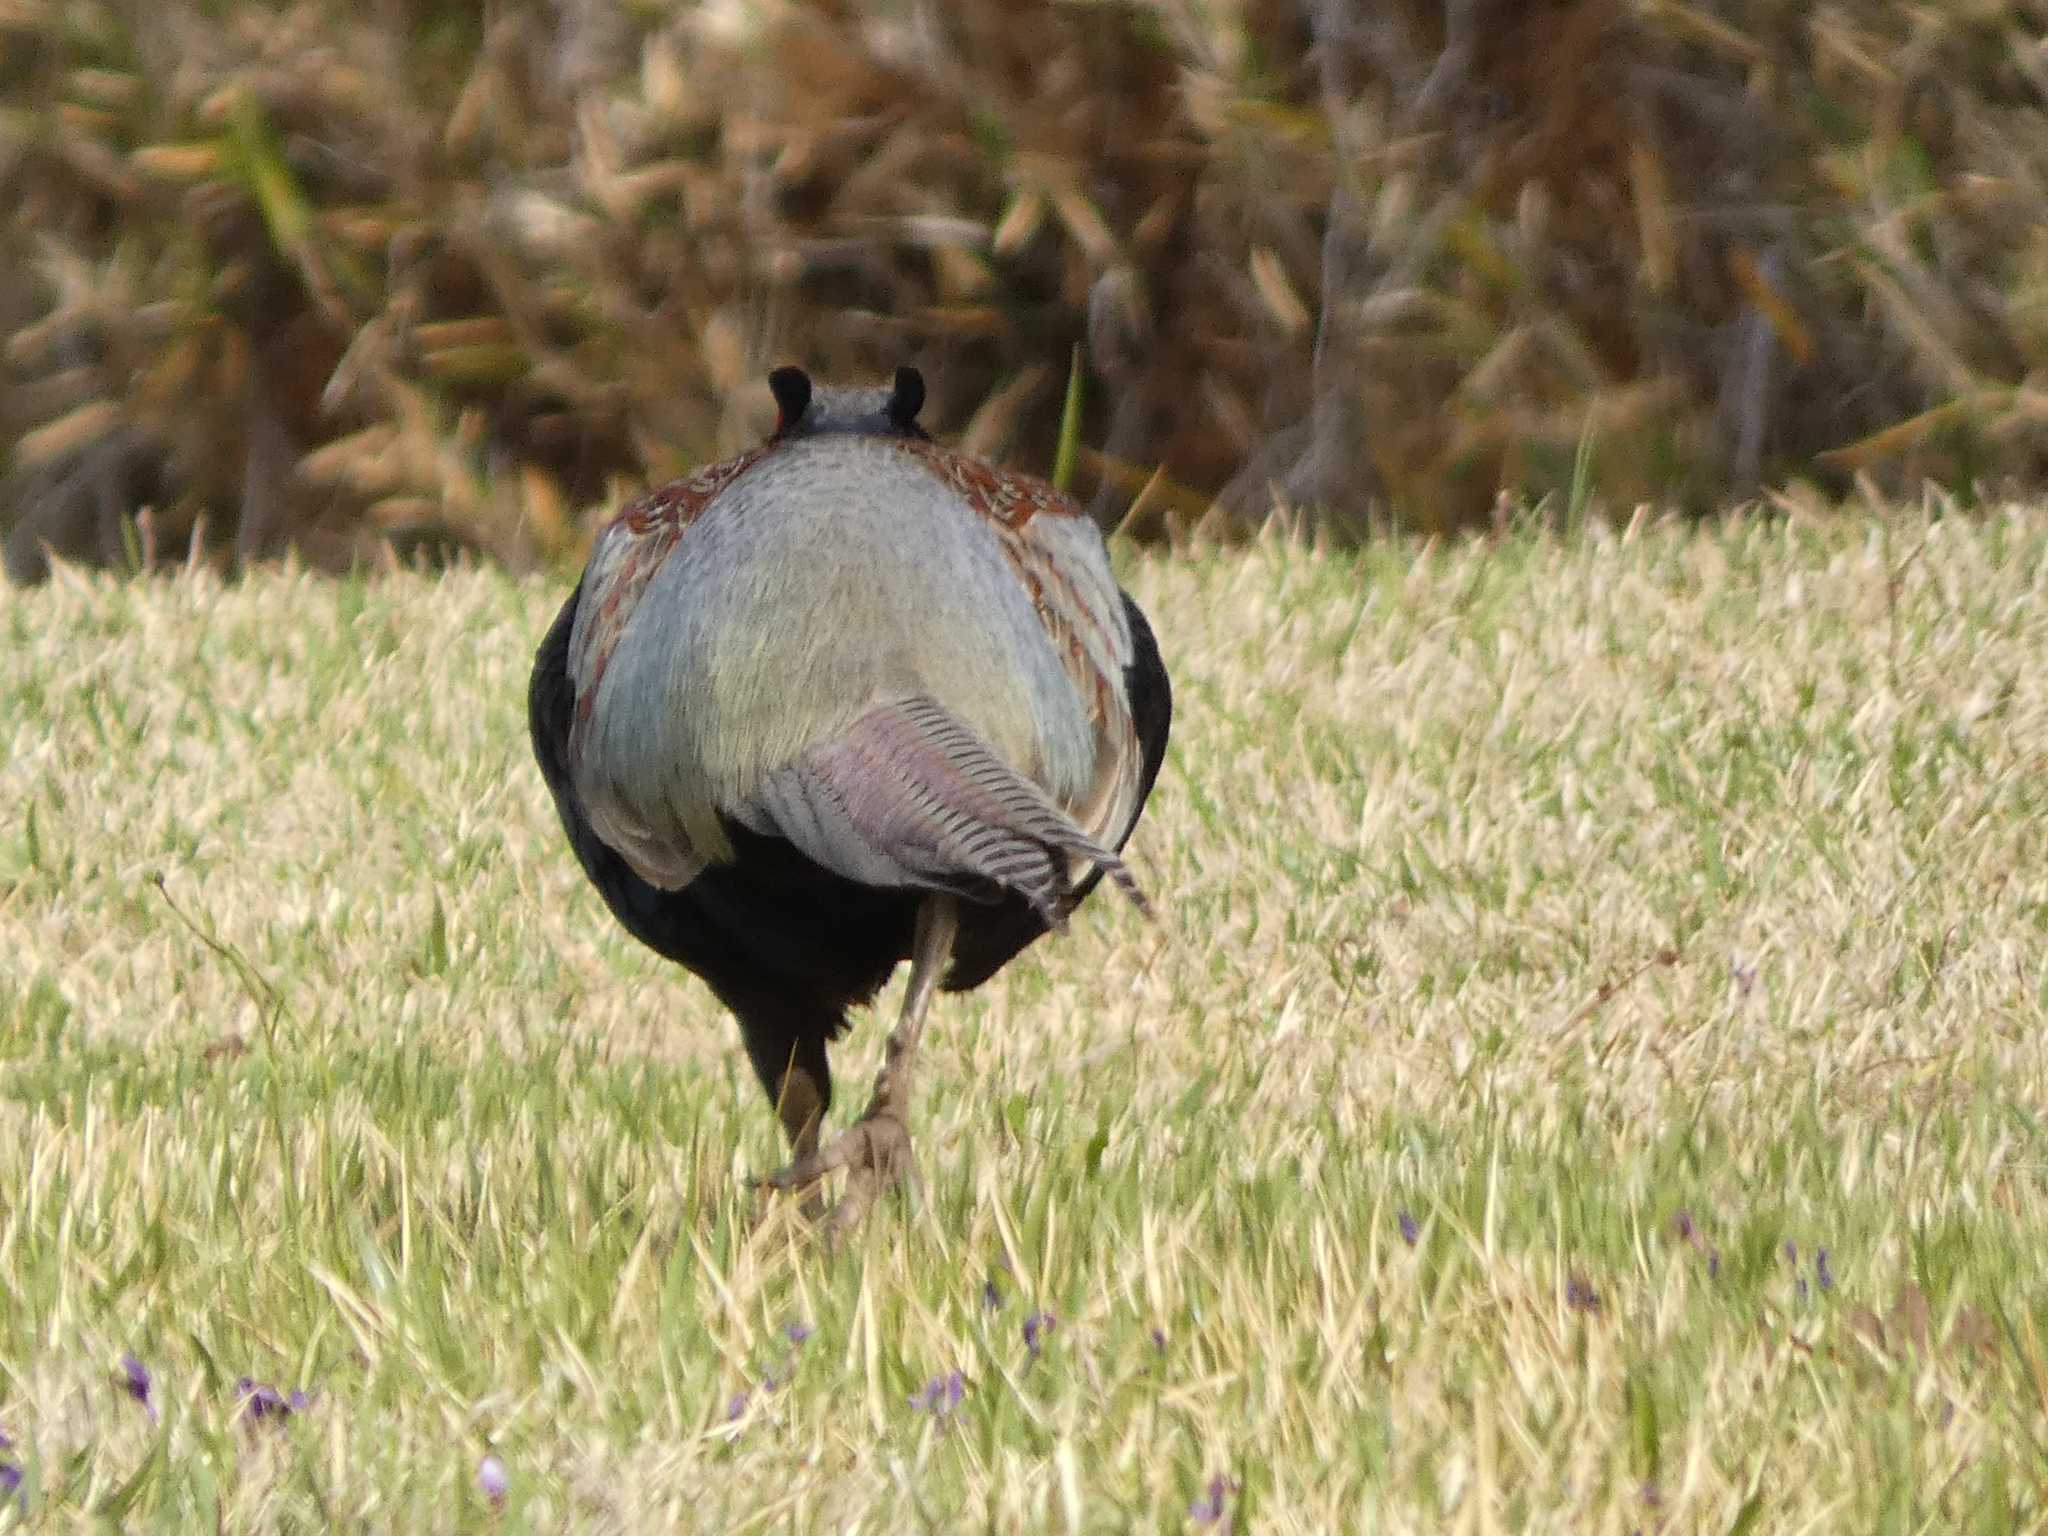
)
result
[(812, 700)]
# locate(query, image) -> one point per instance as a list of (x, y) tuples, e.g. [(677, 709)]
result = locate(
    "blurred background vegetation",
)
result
[(366, 278)]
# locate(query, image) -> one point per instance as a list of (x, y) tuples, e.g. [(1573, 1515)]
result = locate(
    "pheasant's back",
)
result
[(721, 635)]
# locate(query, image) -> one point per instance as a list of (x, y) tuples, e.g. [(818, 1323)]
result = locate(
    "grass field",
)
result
[(1586, 1074)]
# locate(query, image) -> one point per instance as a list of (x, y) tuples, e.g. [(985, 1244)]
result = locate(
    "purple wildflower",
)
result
[(135, 1381), (1211, 1508), (941, 1395), (796, 1333), (10, 1478), (1038, 1327), (491, 1480), (1821, 1271), (991, 1298), (1159, 1340), (1713, 1263), (1791, 1253), (1682, 1225), (258, 1400), (1409, 1230), (1580, 1296), (737, 1406)]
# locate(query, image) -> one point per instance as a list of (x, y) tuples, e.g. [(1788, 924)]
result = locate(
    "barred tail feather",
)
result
[(908, 795)]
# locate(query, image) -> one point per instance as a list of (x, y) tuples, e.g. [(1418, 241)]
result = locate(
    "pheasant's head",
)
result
[(888, 411)]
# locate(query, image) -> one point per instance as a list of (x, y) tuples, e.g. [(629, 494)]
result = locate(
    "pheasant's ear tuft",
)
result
[(791, 387), (906, 399)]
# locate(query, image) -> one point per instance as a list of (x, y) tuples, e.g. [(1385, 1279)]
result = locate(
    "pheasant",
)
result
[(850, 698)]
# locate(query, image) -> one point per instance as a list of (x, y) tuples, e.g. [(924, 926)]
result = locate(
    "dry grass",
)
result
[(335, 276), (1636, 916)]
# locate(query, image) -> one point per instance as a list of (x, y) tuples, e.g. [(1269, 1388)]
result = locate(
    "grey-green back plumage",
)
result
[(804, 650)]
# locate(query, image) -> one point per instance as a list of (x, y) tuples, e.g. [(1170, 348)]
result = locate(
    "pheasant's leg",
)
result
[(938, 920), (800, 1106), (798, 1080), (876, 1148)]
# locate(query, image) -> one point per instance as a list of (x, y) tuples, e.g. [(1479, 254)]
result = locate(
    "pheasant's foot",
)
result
[(874, 1151)]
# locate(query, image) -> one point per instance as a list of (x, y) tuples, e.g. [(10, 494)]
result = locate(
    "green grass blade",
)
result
[(1069, 450)]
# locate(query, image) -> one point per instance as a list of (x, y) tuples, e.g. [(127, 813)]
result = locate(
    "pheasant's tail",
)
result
[(909, 795)]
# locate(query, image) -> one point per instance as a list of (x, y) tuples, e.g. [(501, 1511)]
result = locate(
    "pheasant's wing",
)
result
[(1066, 569), (628, 555), (1057, 554)]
